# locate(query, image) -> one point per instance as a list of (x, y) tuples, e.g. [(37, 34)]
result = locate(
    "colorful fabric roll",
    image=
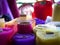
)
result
[(5, 36), (13, 26), (24, 39), (57, 24), (56, 12), (6, 10), (13, 7), (47, 38), (25, 27), (43, 9)]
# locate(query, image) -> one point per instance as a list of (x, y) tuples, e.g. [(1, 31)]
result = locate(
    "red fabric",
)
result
[(42, 11), (33, 15), (25, 29)]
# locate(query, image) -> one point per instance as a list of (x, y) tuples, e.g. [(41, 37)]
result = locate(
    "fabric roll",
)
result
[(43, 9), (12, 26), (56, 12), (13, 7), (25, 27), (1, 8), (57, 24), (47, 38), (24, 39), (6, 12), (5, 36)]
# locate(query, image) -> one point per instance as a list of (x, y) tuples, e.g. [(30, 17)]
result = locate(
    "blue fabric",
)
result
[(7, 17), (38, 21)]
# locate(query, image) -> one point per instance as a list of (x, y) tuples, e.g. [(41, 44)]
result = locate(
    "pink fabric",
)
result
[(23, 29), (14, 30), (13, 27), (5, 36)]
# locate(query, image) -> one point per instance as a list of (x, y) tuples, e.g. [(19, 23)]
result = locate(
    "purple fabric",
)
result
[(5, 36), (22, 28), (58, 2), (38, 21), (24, 39), (1, 7), (6, 9), (13, 7)]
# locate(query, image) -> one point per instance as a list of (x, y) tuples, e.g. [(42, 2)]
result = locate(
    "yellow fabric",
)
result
[(42, 39), (56, 13)]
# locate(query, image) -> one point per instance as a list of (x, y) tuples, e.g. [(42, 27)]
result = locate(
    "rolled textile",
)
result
[(48, 34), (56, 12), (25, 27), (13, 7), (13, 26), (47, 38), (5, 35), (6, 12), (57, 24), (42, 9), (40, 27), (24, 39)]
